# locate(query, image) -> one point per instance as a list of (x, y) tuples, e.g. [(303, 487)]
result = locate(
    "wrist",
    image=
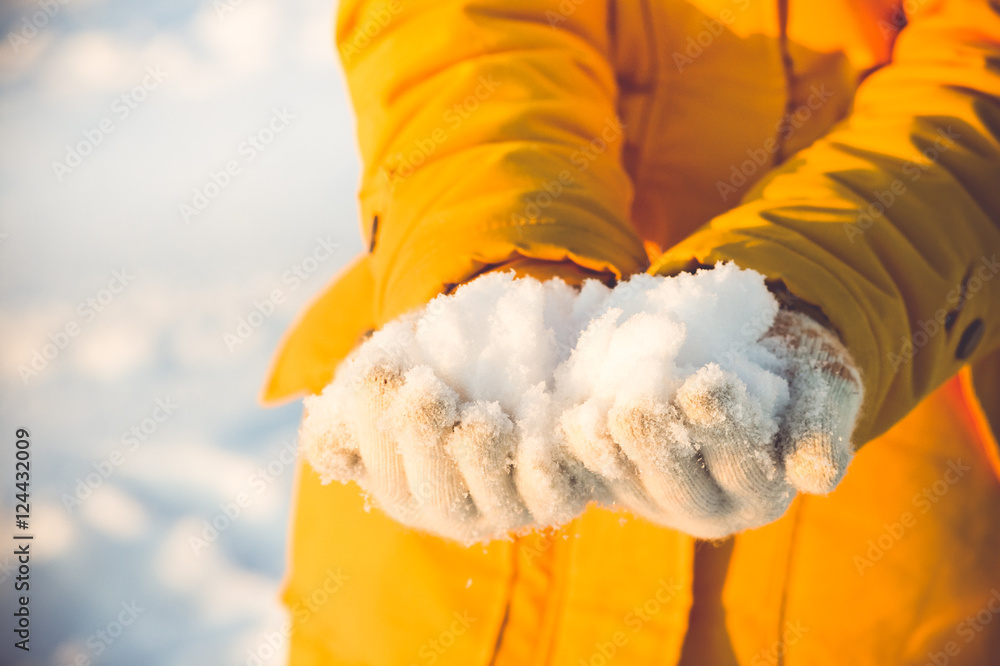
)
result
[(542, 269)]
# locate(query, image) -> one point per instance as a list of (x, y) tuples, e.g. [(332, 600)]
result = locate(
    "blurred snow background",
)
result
[(229, 65)]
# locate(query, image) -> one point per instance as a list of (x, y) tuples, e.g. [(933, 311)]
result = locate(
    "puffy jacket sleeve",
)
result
[(488, 131), (890, 223)]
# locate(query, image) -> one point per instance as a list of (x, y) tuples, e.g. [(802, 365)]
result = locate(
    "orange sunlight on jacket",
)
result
[(849, 150)]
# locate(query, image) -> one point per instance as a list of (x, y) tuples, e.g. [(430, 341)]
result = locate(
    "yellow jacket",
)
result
[(849, 150)]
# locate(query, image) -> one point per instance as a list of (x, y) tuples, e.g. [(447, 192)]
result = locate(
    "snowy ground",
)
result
[(166, 291)]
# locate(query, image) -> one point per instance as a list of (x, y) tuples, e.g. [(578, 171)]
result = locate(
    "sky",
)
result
[(166, 168)]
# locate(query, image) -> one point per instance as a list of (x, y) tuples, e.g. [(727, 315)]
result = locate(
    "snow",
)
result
[(162, 337), (547, 363)]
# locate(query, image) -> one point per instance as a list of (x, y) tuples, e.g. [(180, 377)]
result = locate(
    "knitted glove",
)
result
[(826, 392), (707, 459), (431, 461)]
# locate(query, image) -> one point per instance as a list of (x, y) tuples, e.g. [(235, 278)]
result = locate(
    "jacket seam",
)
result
[(919, 609), (648, 95), (501, 632), (788, 67), (786, 582), (559, 591)]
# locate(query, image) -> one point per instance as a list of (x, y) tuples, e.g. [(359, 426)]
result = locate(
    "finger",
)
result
[(651, 434), (378, 384), (826, 394), (327, 441), (553, 485), (423, 413), (585, 431), (483, 446), (736, 440), (816, 437)]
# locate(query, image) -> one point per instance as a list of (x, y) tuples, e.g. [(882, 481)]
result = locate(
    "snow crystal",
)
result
[(554, 372)]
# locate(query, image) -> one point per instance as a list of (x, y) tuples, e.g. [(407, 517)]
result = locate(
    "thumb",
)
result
[(825, 392), (326, 438)]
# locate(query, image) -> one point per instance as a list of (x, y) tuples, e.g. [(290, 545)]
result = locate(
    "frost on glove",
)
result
[(692, 401)]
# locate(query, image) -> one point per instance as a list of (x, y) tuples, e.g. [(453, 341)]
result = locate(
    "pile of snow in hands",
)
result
[(512, 403)]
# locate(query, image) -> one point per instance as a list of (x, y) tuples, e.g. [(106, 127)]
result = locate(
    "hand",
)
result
[(709, 461), (470, 451), (435, 462)]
